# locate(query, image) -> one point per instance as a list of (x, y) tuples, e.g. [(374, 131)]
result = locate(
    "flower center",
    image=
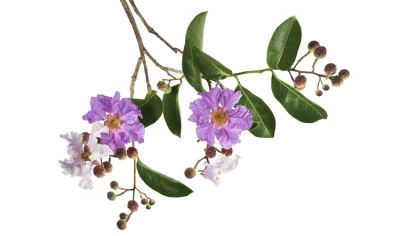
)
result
[(113, 122), (219, 117), (85, 156)]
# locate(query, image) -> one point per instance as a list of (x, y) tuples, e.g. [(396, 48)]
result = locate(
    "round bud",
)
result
[(325, 87), (107, 165), (148, 206), (132, 153), (144, 201), (211, 152), (190, 173), (123, 216), (300, 82), (99, 171), (330, 69), (345, 74), (337, 80), (320, 52), (133, 205), (163, 87), (152, 202), (120, 153), (227, 152), (111, 196), (85, 137), (312, 46), (114, 185), (121, 225), (318, 93)]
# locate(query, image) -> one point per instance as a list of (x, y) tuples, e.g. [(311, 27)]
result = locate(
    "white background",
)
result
[(338, 176)]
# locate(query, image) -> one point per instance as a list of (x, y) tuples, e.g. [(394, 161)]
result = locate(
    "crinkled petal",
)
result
[(226, 164), (75, 146), (100, 105), (242, 117), (113, 140), (115, 102), (128, 111), (229, 98), (201, 112), (229, 136), (212, 173), (86, 181), (132, 132), (207, 132), (71, 167), (97, 129), (99, 151), (212, 98)]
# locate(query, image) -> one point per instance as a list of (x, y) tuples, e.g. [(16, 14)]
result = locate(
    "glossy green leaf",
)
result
[(208, 66), (161, 183), (260, 112), (255, 124), (151, 107), (194, 36), (172, 112), (295, 103), (284, 44)]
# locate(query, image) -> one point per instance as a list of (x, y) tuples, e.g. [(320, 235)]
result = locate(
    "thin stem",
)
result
[(313, 66), (308, 72), (252, 72), (151, 30), (134, 76), (123, 192), (291, 76), (134, 178), (166, 69), (140, 192), (319, 82), (199, 162), (301, 59)]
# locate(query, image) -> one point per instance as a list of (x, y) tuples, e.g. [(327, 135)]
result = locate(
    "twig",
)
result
[(301, 59), (166, 69), (313, 66), (134, 76), (291, 76), (150, 29)]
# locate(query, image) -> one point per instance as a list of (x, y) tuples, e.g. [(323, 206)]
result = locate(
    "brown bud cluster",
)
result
[(132, 153), (111, 196), (320, 52), (99, 171), (190, 173), (325, 87), (144, 201), (163, 87), (211, 152), (123, 216), (312, 46), (227, 152), (300, 82), (120, 153), (108, 167), (121, 225), (114, 185), (336, 80), (330, 69), (318, 93), (152, 202), (345, 74), (133, 205)]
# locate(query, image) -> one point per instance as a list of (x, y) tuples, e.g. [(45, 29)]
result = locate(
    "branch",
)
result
[(166, 69), (134, 76), (151, 30)]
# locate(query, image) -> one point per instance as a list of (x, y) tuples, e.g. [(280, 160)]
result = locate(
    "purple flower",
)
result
[(121, 118), (222, 165), (215, 117)]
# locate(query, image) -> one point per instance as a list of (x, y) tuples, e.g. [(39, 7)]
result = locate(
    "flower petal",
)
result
[(229, 98), (113, 140), (212, 173), (97, 129), (115, 102), (132, 132), (71, 167), (201, 111), (212, 98), (226, 164), (207, 132), (75, 146), (100, 105), (128, 111), (99, 151), (242, 117), (229, 135), (86, 181)]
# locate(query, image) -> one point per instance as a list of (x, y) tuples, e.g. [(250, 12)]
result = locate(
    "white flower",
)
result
[(222, 165), (82, 157)]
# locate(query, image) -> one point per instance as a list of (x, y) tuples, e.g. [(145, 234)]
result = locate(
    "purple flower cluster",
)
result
[(121, 118), (215, 116)]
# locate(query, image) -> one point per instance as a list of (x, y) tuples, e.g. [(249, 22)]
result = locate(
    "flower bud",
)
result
[(107, 166), (114, 185), (152, 202), (312, 46), (120, 153), (345, 74), (85, 137), (99, 171), (121, 225), (337, 80), (211, 152), (111, 196), (227, 152), (148, 206), (163, 87), (320, 52), (325, 87), (99, 141), (133, 205), (190, 173), (318, 93), (330, 69), (144, 201), (300, 82), (123, 216), (132, 153)]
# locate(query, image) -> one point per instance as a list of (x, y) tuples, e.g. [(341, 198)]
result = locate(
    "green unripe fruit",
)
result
[(111, 196), (312, 46), (345, 74), (330, 69), (190, 173), (320, 52), (318, 93), (325, 87), (123, 216), (114, 185), (121, 225), (148, 206), (152, 202)]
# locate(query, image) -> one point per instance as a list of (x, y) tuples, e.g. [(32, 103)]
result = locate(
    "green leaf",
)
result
[(172, 112), (161, 183), (194, 36), (255, 124), (151, 107), (208, 66), (260, 112), (284, 44), (295, 103)]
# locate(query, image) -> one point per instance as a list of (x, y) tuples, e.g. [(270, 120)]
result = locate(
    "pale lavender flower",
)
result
[(120, 116), (222, 165), (215, 116), (82, 157)]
